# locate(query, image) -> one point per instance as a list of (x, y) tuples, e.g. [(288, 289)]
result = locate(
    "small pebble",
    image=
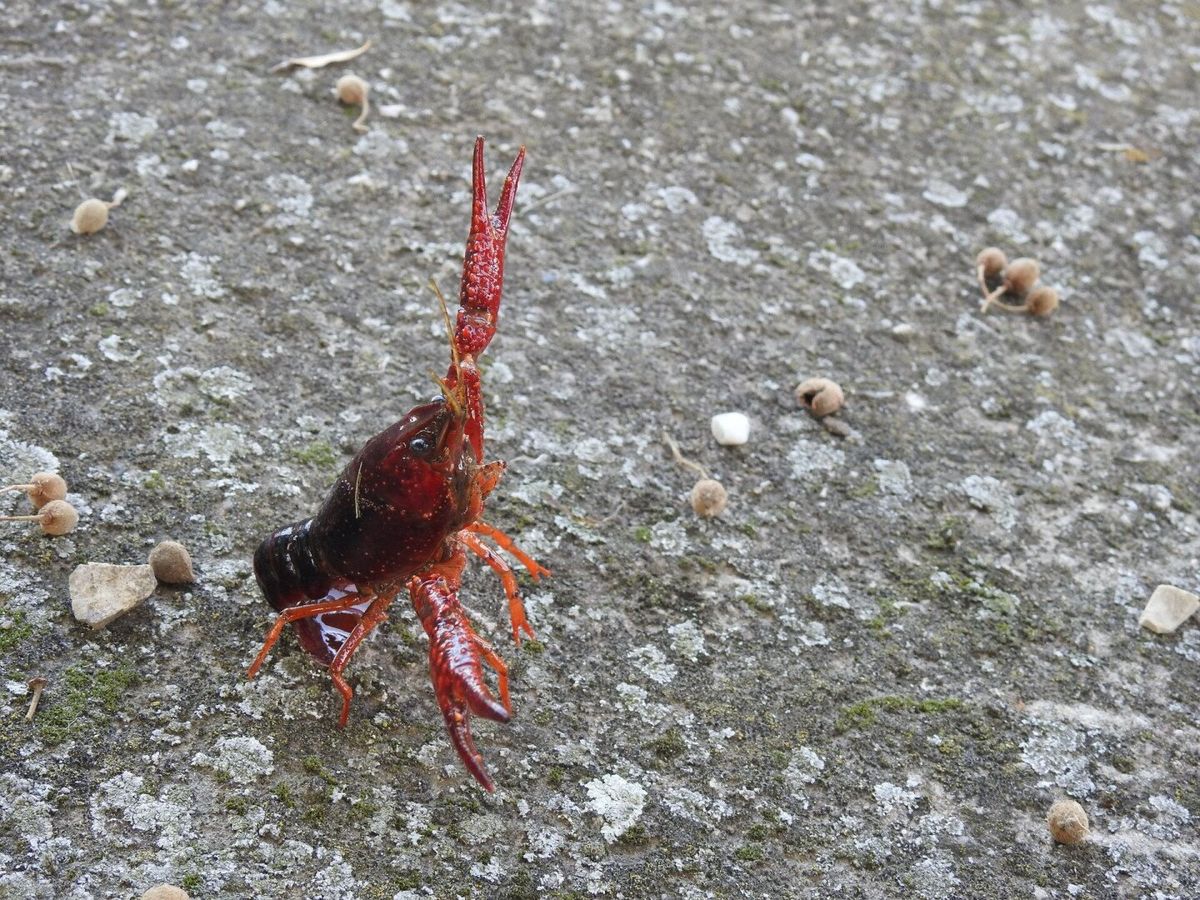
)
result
[(1168, 608), (1068, 822), (165, 892), (708, 498), (171, 563), (731, 429), (101, 592)]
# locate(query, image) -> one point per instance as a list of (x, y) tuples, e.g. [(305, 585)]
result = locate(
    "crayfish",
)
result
[(405, 512)]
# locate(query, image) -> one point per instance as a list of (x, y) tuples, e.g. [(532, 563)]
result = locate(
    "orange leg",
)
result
[(507, 545), (375, 613), (516, 609), (291, 615)]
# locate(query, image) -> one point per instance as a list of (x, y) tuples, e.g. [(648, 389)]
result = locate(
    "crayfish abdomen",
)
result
[(404, 513)]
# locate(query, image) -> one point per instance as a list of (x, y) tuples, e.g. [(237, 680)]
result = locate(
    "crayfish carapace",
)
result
[(404, 514)]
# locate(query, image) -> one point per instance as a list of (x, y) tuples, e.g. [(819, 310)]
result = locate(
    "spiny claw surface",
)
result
[(454, 665)]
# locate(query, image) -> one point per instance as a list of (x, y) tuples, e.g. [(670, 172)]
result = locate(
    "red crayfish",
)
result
[(404, 513)]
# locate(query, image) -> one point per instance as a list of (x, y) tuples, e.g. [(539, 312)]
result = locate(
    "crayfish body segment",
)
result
[(404, 513)]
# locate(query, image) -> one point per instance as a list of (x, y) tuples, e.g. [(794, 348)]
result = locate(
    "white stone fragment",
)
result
[(731, 429), (1168, 608), (101, 592)]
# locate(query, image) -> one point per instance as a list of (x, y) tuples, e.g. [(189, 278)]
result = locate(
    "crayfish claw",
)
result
[(455, 665), (460, 693), (458, 725)]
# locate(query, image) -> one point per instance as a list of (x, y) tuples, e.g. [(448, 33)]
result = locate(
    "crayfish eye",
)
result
[(420, 445)]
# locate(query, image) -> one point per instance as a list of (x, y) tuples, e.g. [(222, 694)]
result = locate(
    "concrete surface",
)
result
[(869, 678)]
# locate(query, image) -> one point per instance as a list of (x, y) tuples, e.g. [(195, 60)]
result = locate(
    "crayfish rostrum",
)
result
[(404, 514)]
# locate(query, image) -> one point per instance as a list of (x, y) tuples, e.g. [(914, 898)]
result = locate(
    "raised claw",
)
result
[(483, 264), (454, 665)]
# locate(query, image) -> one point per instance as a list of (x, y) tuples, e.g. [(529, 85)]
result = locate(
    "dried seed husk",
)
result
[(1042, 301), (58, 517), (708, 498), (1021, 275), (991, 262), (42, 488), (171, 563), (820, 396), (90, 216), (1067, 821)]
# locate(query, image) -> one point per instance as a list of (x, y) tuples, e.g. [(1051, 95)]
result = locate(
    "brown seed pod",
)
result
[(90, 216), (42, 488), (56, 517), (708, 498), (1067, 821), (820, 396), (990, 262), (171, 563), (1020, 276), (352, 90), (1042, 301)]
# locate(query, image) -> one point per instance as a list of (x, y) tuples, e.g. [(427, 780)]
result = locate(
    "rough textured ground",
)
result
[(869, 678)]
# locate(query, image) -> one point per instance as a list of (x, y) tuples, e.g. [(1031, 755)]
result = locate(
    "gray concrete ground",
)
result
[(869, 678)]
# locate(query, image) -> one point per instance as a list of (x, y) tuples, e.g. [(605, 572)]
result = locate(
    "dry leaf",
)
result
[(1136, 155), (318, 62)]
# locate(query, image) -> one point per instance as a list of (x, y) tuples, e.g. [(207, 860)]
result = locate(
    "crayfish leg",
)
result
[(298, 614), (375, 613), (516, 607), (536, 570)]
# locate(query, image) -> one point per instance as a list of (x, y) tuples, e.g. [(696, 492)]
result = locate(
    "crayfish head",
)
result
[(432, 434)]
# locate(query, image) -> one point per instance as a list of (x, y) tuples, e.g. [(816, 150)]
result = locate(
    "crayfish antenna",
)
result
[(455, 359)]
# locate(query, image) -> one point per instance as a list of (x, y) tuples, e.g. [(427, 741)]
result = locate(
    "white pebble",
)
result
[(1168, 608), (101, 592), (731, 429)]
